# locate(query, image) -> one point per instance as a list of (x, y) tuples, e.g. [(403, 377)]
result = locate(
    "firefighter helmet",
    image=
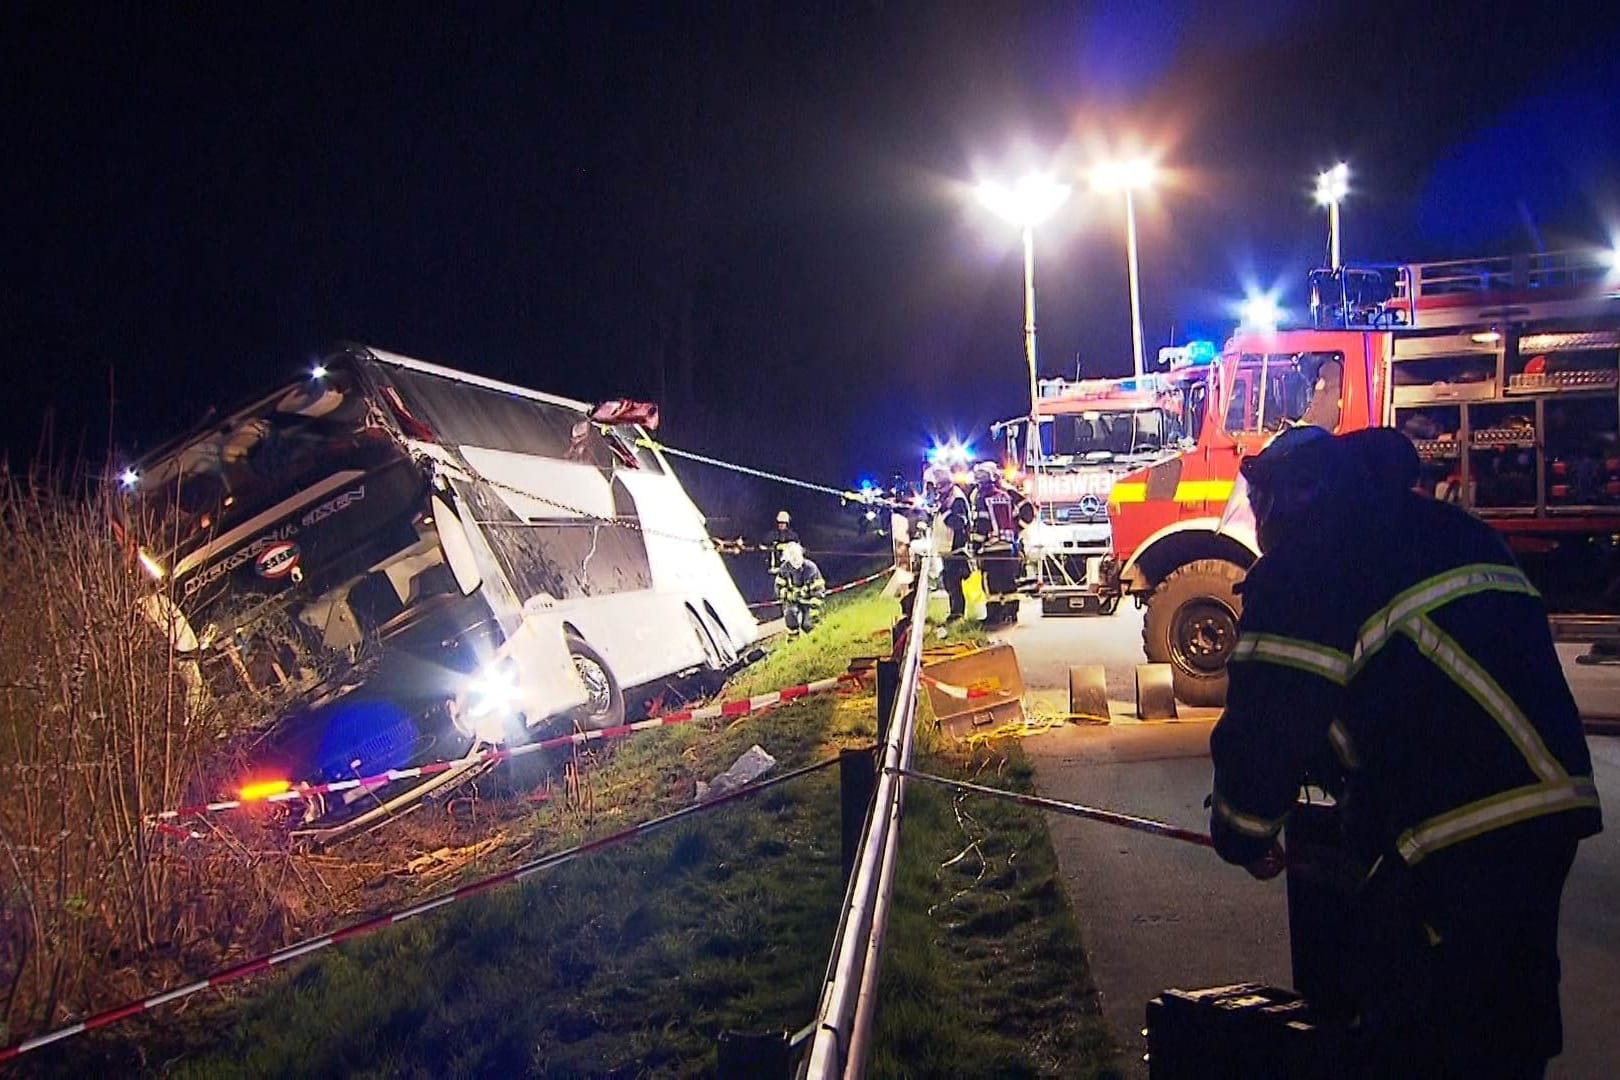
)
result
[(1287, 484), (986, 472), (784, 518)]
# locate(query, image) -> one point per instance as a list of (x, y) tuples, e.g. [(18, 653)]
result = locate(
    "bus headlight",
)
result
[(488, 701)]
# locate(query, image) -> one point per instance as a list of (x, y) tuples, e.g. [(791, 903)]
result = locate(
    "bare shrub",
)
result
[(101, 726)]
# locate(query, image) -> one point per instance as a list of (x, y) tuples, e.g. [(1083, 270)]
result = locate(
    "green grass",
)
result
[(634, 960), (984, 973)]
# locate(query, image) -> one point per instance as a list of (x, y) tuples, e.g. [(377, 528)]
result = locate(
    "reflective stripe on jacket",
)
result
[(804, 587), (1407, 663)]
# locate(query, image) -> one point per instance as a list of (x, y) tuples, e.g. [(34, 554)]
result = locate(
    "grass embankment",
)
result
[(634, 960)]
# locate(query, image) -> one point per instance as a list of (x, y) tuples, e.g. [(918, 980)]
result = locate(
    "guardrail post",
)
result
[(747, 1055), (888, 686), (857, 783)]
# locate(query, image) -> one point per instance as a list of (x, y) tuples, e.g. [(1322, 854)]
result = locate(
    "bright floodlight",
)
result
[(129, 478), (1260, 312), (318, 371), (1124, 175), (1333, 185), (1027, 203)]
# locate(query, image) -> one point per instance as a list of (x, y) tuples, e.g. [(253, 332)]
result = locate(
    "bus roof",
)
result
[(397, 360)]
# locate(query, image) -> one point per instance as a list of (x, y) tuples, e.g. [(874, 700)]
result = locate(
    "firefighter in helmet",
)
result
[(800, 589), (952, 520), (1390, 649), (780, 538), (999, 514)]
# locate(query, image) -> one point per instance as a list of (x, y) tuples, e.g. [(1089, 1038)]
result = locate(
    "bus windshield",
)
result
[(246, 465)]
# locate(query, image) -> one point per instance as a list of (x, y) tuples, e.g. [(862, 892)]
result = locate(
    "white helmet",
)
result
[(793, 554), (937, 476), (986, 472), (783, 517)]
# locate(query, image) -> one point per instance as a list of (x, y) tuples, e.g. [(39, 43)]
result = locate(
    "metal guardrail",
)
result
[(843, 1025)]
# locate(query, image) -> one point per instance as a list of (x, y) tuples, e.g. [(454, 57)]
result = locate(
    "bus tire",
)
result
[(605, 709), (1191, 624)]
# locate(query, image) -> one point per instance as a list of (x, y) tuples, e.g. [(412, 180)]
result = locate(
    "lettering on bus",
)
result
[(276, 561)]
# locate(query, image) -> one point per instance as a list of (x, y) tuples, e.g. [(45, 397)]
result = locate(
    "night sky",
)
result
[(759, 214)]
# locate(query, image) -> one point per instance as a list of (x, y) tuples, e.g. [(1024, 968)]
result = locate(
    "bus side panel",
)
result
[(642, 635), (684, 561)]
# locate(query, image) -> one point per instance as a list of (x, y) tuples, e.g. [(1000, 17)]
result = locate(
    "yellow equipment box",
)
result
[(977, 692)]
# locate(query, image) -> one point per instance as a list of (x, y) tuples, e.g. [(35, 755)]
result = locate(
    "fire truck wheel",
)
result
[(605, 706), (1191, 624)]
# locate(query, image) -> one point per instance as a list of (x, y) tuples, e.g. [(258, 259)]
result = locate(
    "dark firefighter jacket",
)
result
[(1402, 657), (1000, 512), (804, 587), (958, 518)]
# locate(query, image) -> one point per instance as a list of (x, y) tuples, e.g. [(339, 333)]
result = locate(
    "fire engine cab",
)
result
[(1504, 373), (1093, 431)]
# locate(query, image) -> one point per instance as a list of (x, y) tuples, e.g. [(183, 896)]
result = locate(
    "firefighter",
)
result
[(953, 520), (999, 515), (1390, 648), (779, 539), (800, 589)]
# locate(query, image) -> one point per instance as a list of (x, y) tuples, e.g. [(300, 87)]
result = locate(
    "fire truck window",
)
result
[(1583, 452), (1192, 412), (1325, 371), (1502, 456), (1241, 408)]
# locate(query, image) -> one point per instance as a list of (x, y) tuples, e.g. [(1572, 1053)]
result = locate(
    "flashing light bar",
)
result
[(1192, 354), (951, 453)]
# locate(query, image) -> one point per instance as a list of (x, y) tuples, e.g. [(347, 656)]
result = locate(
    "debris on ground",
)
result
[(446, 860), (753, 764)]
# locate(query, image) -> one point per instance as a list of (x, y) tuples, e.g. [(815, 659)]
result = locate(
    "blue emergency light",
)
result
[(1192, 354)]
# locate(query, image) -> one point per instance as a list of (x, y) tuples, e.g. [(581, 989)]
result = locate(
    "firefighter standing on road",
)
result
[(951, 531), (800, 589), (783, 536), (999, 514), (1390, 647)]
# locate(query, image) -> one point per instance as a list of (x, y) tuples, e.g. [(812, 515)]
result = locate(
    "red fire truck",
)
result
[(1505, 374), (1092, 432)]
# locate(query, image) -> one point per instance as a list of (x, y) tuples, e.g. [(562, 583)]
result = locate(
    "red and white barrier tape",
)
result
[(845, 587), (301, 791), (960, 693), (360, 929)]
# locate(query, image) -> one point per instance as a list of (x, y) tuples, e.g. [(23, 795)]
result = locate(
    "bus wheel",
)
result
[(605, 706), (1191, 624)]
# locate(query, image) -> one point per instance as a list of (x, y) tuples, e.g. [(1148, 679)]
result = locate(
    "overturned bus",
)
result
[(415, 565)]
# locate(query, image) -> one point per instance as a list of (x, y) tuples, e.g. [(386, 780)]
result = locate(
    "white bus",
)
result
[(416, 564)]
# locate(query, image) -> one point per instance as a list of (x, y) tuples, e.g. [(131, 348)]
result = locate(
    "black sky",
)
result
[(756, 212)]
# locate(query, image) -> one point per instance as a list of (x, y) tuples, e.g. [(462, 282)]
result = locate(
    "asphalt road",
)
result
[(1156, 913)]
